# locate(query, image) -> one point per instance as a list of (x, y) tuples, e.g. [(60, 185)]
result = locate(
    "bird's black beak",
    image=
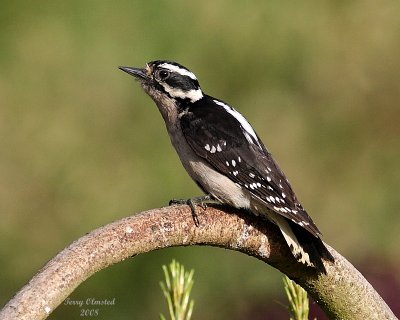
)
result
[(136, 72)]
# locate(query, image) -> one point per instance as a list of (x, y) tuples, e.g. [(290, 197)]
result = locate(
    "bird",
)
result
[(226, 158)]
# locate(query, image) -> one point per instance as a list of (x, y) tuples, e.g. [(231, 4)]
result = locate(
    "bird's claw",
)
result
[(192, 202)]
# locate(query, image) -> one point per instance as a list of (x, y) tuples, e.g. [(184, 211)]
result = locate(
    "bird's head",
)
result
[(167, 81)]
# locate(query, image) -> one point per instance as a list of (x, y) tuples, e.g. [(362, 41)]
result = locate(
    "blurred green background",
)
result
[(82, 145)]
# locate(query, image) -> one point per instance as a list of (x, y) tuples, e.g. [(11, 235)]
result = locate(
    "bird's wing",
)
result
[(223, 145)]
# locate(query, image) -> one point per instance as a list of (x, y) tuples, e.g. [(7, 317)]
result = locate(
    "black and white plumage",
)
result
[(223, 154)]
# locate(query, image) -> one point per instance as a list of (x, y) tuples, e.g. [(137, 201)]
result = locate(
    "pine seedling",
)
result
[(298, 300), (177, 287)]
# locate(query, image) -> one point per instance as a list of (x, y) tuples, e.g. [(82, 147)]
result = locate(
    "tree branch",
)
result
[(343, 293)]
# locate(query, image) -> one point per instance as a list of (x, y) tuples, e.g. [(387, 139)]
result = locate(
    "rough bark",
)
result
[(343, 292)]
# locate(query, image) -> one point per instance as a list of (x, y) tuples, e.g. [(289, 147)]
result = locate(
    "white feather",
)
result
[(242, 120), (294, 245)]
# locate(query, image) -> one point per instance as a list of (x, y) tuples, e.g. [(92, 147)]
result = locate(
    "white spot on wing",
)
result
[(219, 148), (234, 163), (272, 199), (207, 147), (213, 149)]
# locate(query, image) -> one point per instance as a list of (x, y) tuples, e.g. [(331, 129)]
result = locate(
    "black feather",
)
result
[(313, 246), (205, 123)]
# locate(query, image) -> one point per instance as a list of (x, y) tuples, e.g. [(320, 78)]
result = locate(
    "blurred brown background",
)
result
[(82, 145)]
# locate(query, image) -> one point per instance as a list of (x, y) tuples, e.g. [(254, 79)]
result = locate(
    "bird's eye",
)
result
[(163, 74)]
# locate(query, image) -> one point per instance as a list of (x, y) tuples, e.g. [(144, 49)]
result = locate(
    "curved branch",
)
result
[(343, 293)]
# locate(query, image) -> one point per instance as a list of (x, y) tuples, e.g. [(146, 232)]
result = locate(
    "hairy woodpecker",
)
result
[(223, 154)]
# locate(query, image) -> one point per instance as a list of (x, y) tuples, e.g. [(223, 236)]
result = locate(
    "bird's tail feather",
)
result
[(305, 247), (313, 245)]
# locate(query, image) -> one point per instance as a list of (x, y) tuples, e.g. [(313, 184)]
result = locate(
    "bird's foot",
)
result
[(192, 202)]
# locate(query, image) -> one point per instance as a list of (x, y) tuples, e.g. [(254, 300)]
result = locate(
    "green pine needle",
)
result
[(177, 287), (298, 300)]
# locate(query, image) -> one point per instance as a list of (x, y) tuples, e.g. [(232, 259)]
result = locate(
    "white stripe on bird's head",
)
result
[(193, 95), (180, 70)]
